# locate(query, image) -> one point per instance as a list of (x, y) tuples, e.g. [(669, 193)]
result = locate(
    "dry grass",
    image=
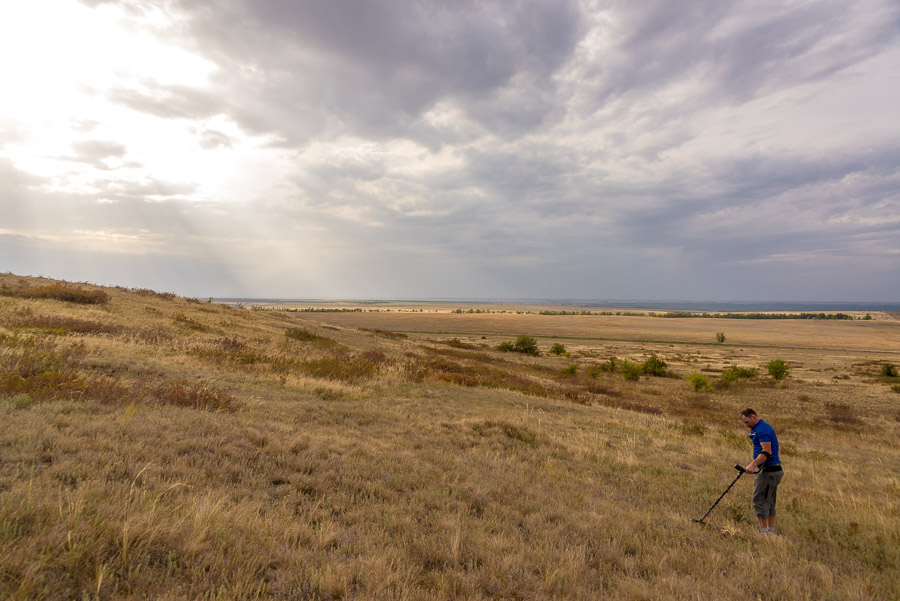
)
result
[(237, 461), (56, 291)]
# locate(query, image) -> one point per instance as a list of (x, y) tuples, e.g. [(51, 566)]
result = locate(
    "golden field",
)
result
[(156, 447)]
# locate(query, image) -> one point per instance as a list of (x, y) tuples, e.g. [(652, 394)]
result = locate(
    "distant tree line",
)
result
[(686, 314), (326, 310), (756, 315)]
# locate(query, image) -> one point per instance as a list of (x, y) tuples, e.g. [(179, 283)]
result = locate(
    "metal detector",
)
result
[(741, 472)]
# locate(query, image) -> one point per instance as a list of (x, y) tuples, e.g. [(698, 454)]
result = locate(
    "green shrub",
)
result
[(569, 371), (611, 364), (698, 381), (888, 370), (654, 366), (506, 347), (632, 371), (526, 345), (720, 337), (778, 369), (557, 349), (733, 372)]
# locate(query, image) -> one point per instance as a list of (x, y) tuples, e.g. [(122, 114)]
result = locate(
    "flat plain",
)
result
[(159, 447)]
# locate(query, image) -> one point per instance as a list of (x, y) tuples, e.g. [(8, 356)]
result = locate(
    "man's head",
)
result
[(749, 418)]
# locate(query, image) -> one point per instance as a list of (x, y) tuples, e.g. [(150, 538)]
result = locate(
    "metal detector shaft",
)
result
[(741, 472)]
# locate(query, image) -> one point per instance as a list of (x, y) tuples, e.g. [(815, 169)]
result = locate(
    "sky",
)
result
[(388, 149)]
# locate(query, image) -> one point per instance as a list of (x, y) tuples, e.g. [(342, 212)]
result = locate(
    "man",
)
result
[(767, 467)]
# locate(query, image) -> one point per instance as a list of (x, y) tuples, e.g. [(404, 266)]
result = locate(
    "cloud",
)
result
[(168, 101), (594, 148), (377, 68), (96, 152)]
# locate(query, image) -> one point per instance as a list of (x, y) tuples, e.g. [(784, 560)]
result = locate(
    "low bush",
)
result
[(888, 370), (698, 381), (733, 372), (632, 371), (569, 371), (611, 364), (720, 337), (654, 366), (778, 369), (557, 349), (526, 345), (506, 347)]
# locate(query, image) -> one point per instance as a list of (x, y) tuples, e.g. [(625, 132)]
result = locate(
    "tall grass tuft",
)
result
[(58, 324), (343, 368), (193, 395)]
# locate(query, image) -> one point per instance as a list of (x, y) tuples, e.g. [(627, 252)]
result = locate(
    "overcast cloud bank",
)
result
[(384, 149)]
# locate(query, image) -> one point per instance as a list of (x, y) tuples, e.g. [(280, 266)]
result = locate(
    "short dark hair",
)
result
[(748, 412)]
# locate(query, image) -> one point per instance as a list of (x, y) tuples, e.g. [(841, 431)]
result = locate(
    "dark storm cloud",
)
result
[(375, 67), (738, 50)]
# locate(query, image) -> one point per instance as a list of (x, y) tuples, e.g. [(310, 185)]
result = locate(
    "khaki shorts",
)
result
[(765, 488)]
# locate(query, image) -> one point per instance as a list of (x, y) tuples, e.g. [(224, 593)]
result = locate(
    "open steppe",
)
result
[(157, 447)]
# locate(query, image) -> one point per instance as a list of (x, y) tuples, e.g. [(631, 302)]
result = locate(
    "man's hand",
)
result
[(751, 468)]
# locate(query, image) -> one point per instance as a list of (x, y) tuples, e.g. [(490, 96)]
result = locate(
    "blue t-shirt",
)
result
[(763, 432)]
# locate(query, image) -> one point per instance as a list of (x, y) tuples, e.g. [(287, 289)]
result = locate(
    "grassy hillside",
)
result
[(159, 447)]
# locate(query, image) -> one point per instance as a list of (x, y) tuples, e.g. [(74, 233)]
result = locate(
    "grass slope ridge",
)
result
[(153, 446)]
